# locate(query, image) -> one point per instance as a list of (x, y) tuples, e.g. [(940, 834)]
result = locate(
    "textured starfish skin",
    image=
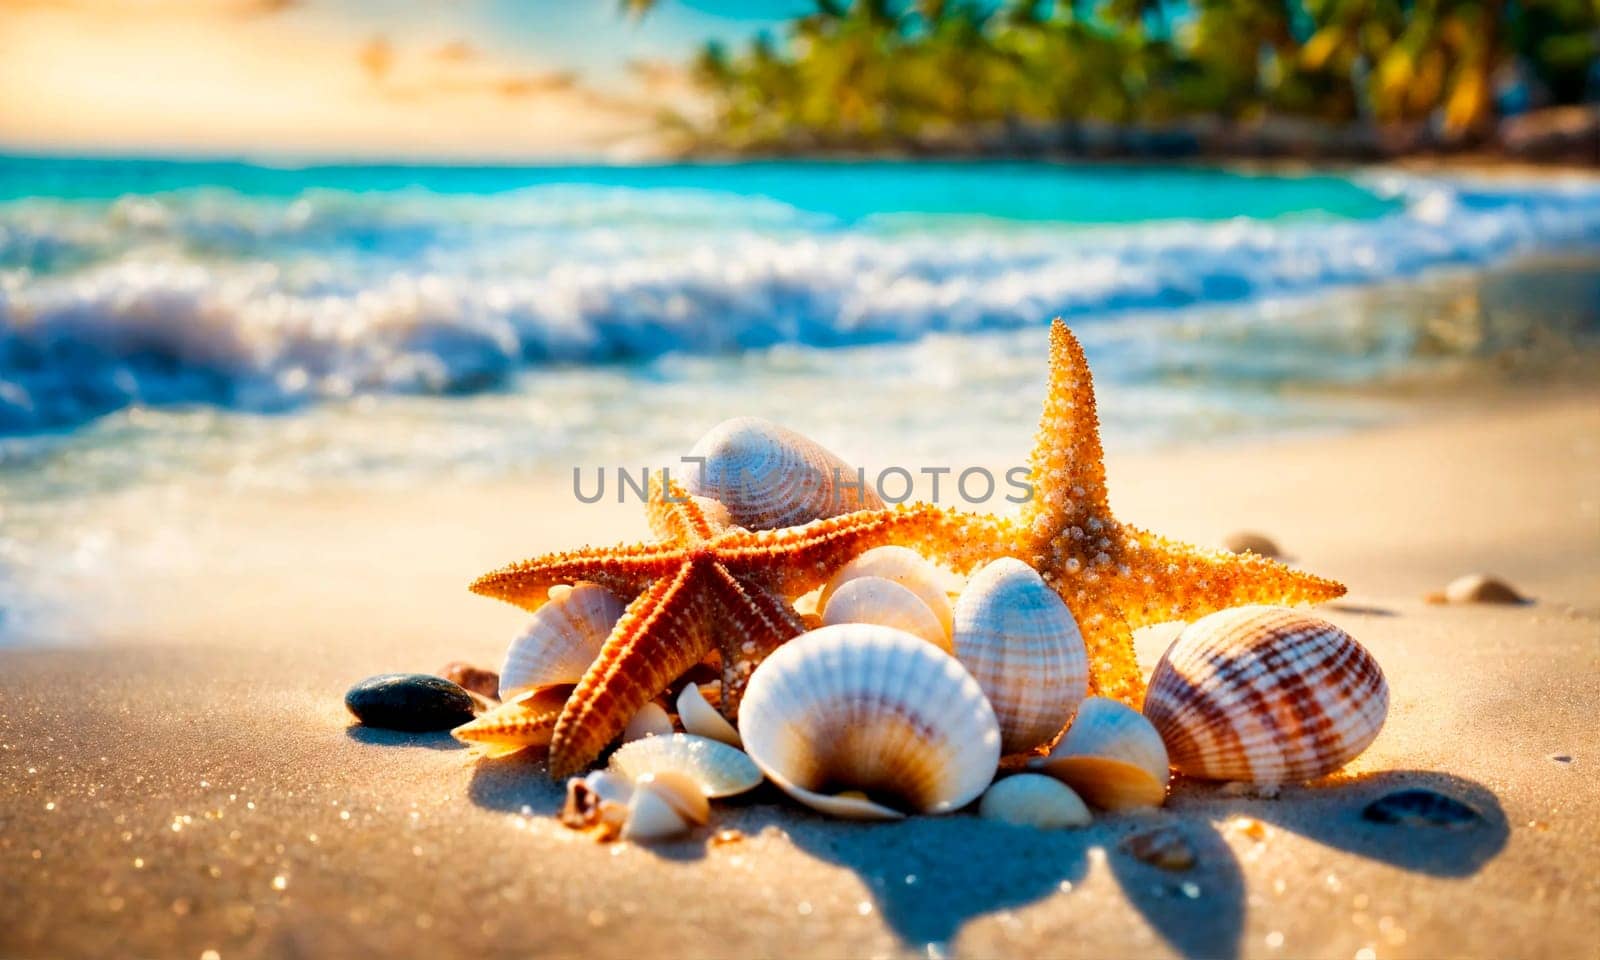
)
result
[(1113, 576), (707, 586)]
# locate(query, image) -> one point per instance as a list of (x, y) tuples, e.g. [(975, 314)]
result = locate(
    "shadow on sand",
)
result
[(440, 740)]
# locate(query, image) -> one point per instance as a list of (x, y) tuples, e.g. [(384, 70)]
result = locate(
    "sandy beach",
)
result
[(190, 784)]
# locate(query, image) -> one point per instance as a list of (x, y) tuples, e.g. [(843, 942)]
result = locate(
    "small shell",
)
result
[(1481, 588), (932, 584), (1163, 847), (720, 770), (1265, 695), (652, 815), (651, 721), (868, 722), (561, 641), (1245, 541), (681, 791), (526, 720), (888, 604), (700, 718), (768, 476), (1023, 647), (1421, 807), (598, 803), (1034, 800), (1112, 756)]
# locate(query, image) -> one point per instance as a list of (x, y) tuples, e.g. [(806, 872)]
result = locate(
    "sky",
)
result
[(392, 79)]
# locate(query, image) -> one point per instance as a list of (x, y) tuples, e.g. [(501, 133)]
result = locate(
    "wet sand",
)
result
[(190, 781)]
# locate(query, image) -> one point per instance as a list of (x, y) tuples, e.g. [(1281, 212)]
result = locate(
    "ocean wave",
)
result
[(209, 298)]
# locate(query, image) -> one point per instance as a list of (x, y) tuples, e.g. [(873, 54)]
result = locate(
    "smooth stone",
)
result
[(1163, 847), (485, 683), (1420, 807), (1481, 588), (414, 702), (1244, 541)]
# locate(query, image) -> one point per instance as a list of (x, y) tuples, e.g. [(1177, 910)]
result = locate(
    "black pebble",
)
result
[(414, 702), (1419, 807)]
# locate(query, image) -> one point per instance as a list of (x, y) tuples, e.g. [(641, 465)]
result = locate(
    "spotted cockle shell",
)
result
[(700, 718), (768, 476), (1023, 647), (526, 720), (1034, 800), (562, 640), (720, 770), (1112, 756), (888, 604), (932, 584), (868, 722), (1265, 695)]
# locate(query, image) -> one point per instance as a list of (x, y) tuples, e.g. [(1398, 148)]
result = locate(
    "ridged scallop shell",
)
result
[(768, 476), (720, 770), (932, 584), (562, 639), (526, 720), (1112, 756), (887, 604), (869, 722), (700, 718), (1034, 800), (1024, 648), (1265, 695)]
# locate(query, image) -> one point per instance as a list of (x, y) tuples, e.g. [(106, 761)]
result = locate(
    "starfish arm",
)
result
[(676, 516), (814, 552), (625, 571), (1067, 466), (660, 635), (1113, 669), (750, 623)]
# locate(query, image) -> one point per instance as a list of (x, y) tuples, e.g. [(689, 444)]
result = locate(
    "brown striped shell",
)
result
[(1265, 695), (769, 477)]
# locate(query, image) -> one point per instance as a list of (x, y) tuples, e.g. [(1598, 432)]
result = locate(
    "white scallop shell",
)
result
[(562, 640), (869, 722), (1112, 756), (1266, 695), (931, 583), (700, 718), (1034, 800), (720, 770), (768, 476), (886, 603), (652, 720), (1023, 647)]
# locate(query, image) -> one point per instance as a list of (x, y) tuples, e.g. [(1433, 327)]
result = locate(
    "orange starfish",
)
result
[(1113, 576), (706, 586)]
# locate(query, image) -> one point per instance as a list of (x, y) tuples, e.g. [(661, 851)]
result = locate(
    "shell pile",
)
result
[(908, 695)]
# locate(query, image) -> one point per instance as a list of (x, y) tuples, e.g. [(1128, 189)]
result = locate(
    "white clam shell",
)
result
[(1024, 648), (720, 770), (888, 604), (768, 476), (931, 583), (652, 720), (562, 640), (1112, 756), (652, 815), (864, 721), (681, 791), (1266, 695), (1034, 800), (700, 718)]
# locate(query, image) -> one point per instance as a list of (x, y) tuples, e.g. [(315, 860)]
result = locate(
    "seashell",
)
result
[(768, 476), (1112, 756), (872, 712), (1245, 541), (1034, 800), (681, 791), (473, 679), (652, 815), (526, 720), (888, 604), (700, 718), (1163, 847), (1265, 695), (720, 770), (1023, 647), (932, 584), (1420, 807), (1481, 588), (413, 702), (598, 803), (562, 640), (651, 721)]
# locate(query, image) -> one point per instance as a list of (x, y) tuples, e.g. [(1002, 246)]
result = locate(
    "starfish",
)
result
[(1113, 576), (705, 586)]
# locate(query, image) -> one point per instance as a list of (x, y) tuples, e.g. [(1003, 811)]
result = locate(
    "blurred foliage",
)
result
[(872, 73)]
